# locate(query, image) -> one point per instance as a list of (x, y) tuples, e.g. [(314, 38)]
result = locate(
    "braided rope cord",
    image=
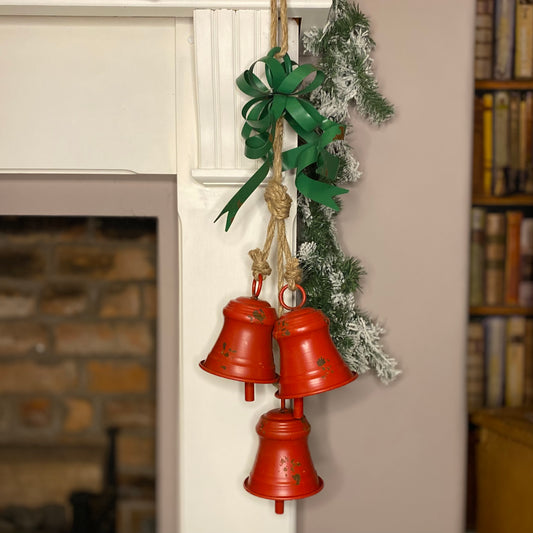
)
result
[(276, 197)]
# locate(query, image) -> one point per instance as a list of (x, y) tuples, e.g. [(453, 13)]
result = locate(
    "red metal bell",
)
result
[(243, 350), (283, 469), (309, 361)]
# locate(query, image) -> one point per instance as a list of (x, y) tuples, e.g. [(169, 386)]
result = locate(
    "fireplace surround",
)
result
[(155, 197), (113, 130), (77, 369)]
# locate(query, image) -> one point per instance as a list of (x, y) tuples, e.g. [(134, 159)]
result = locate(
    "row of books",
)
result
[(504, 39), (500, 362), (501, 258), (503, 143)]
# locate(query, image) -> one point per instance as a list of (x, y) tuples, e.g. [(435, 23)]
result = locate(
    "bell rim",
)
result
[(284, 498), (354, 376), (242, 380)]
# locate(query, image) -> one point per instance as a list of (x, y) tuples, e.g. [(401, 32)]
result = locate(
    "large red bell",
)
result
[(309, 361), (243, 350), (283, 469)]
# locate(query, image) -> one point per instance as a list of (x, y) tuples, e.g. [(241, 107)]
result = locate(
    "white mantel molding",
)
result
[(310, 12), (234, 33), (221, 176)]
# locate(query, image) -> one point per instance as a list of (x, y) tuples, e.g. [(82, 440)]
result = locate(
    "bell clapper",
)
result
[(248, 391), (298, 407)]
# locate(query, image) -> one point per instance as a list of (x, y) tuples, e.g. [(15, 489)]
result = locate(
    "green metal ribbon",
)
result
[(267, 105)]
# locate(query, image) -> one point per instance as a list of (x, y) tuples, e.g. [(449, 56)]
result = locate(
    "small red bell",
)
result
[(283, 469), (243, 351), (309, 361)]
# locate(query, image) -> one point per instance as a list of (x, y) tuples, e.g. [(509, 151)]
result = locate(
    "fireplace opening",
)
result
[(78, 322)]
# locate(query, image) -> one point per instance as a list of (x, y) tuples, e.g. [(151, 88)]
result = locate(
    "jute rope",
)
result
[(276, 197), (284, 44)]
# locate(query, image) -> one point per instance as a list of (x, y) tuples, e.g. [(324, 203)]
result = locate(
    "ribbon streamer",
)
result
[(267, 105)]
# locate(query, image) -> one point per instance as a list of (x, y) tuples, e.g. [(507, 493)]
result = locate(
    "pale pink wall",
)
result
[(392, 457)]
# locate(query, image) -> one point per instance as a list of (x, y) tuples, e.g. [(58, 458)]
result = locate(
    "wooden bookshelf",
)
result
[(521, 200), (504, 85), (503, 310), (500, 337)]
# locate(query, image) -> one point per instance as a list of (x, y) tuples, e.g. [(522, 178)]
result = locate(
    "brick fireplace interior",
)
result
[(77, 357)]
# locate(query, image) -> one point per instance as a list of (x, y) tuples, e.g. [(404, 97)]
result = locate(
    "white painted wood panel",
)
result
[(92, 94), (204, 91), (254, 39), (226, 99), (227, 42), (218, 441)]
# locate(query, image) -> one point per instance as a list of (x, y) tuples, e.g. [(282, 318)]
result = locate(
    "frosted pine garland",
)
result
[(349, 166), (344, 46), (331, 278)]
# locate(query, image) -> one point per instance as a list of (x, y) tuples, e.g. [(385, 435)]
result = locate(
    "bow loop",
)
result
[(280, 97)]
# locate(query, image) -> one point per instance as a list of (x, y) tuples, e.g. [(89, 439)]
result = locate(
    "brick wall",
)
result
[(77, 336)]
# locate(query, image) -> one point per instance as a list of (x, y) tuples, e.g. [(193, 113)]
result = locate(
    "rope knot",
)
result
[(259, 263), (293, 273), (277, 200)]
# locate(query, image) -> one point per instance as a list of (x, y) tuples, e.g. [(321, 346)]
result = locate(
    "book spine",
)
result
[(494, 258), (494, 360), (522, 146), (475, 374), (512, 256), (488, 107), (513, 181), (501, 143), (523, 67), (525, 289), (515, 361), (484, 39), (477, 256), (477, 156), (529, 142), (528, 363), (504, 39)]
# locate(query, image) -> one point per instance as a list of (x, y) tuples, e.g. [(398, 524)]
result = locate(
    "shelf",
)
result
[(518, 200), (500, 310), (510, 422), (495, 85)]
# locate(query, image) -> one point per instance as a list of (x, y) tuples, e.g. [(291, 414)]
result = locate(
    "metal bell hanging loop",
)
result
[(309, 361), (243, 350), (283, 468)]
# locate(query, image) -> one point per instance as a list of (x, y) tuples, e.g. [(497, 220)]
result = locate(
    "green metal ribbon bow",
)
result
[(261, 113)]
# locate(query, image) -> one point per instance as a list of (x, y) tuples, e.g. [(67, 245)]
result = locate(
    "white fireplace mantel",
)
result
[(310, 12), (93, 89)]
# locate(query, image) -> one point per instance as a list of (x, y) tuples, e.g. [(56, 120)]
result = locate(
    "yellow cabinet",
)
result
[(505, 470)]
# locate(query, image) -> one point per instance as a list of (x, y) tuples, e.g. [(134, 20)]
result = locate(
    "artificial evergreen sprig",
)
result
[(344, 46), (332, 279)]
